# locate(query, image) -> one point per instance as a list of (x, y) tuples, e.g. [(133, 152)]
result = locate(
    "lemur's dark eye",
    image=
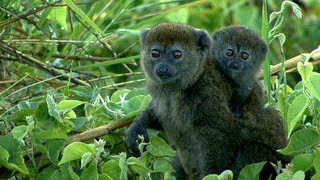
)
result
[(155, 53), (244, 55), (229, 52), (177, 54)]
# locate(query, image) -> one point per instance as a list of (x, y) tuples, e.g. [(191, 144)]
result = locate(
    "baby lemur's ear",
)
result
[(143, 35), (203, 39)]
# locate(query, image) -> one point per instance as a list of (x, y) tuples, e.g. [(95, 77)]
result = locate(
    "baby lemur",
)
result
[(240, 53), (190, 101)]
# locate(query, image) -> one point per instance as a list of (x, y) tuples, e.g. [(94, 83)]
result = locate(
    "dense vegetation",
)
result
[(71, 83)]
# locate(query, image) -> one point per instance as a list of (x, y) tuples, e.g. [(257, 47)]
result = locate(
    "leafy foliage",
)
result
[(71, 83)]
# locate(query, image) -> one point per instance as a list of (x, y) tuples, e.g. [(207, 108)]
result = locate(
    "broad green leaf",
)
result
[(158, 147), (67, 105), (298, 175), (316, 162), (119, 95), (75, 151), (53, 108), (91, 173), (20, 132), (162, 165), (211, 177), (305, 70), (284, 176), (54, 148), (251, 171), (50, 134), (45, 173), (301, 140), (136, 92), (11, 154), (138, 165), (226, 175), (295, 112), (112, 169), (302, 162), (68, 173), (135, 105), (316, 176), (86, 159), (103, 176), (313, 85)]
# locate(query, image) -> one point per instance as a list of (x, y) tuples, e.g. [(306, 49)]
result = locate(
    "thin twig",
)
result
[(23, 16), (38, 64)]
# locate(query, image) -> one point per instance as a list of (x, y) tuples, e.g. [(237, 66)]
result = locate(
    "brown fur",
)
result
[(193, 106)]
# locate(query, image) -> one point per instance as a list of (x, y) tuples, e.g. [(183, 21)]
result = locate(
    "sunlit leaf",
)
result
[(75, 151), (11, 154), (251, 171), (158, 147), (295, 112), (301, 140)]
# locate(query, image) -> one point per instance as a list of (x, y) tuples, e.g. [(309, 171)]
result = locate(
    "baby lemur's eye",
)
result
[(155, 53), (229, 52), (244, 55), (177, 54)]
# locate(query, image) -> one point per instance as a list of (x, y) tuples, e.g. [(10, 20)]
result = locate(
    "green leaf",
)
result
[(75, 151), (313, 85), (136, 105), (211, 177), (295, 8), (91, 173), (83, 17), (67, 105), (225, 175), (53, 108), (138, 166), (112, 169), (119, 95), (86, 159), (300, 141), (284, 176), (123, 166), (298, 175), (50, 134), (20, 132), (59, 14), (162, 165), (158, 147), (251, 171), (302, 162), (316, 162), (305, 70), (282, 38), (54, 148), (295, 112), (11, 154), (136, 92), (316, 176)]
